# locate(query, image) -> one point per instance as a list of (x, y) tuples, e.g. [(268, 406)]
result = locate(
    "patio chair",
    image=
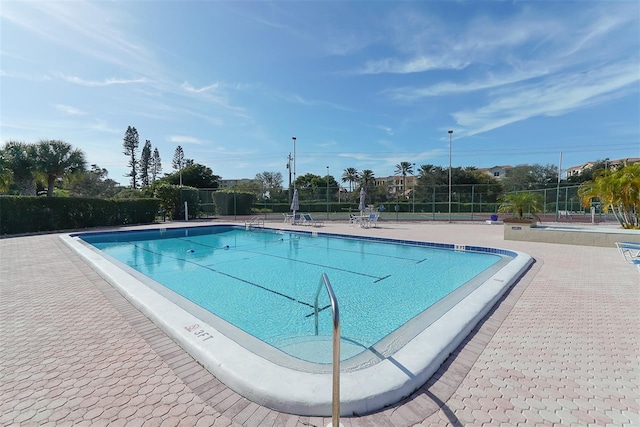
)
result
[(630, 251), (307, 220), (355, 220), (372, 221)]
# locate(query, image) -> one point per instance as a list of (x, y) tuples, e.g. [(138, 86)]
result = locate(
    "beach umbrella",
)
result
[(362, 205), (294, 203)]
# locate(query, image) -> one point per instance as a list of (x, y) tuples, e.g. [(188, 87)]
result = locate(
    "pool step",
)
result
[(317, 348)]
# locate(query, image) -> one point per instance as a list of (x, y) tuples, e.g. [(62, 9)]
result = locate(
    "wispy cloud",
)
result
[(25, 76), (189, 88), (412, 65), (386, 129), (67, 109), (297, 99), (86, 27), (106, 82), (183, 139), (410, 94), (552, 97)]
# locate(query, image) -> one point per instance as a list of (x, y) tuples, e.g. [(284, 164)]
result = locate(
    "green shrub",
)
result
[(25, 214)]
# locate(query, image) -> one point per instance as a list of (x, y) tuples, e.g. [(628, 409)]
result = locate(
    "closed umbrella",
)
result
[(294, 204), (362, 196)]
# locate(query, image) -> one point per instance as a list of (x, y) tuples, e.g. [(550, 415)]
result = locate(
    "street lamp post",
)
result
[(327, 192), (294, 162), (289, 169), (450, 134), (413, 192)]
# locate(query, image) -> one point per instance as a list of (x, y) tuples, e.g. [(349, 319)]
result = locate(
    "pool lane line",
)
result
[(357, 273), (305, 237), (319, 310), (371, 254), (228, 275), (382, 278), (377, 278)]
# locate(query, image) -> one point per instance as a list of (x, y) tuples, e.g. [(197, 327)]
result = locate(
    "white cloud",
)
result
[(555, 96), (67, 109), (413, 65), (410, 94), (106, 82), (24, 76), (189, 88), (183, 139), (82, 26)]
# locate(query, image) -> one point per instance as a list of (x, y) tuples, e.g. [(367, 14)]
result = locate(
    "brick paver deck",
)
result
[(561, 347)]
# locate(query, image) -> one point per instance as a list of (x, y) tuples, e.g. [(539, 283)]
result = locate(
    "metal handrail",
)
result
[(335, 407), (257, 219)]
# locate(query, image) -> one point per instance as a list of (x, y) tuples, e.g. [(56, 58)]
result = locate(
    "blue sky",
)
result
[(363, 84)]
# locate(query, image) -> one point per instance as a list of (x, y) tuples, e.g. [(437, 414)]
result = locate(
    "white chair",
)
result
[(372, 221), (630, 251), (308, 220), (355, 220)]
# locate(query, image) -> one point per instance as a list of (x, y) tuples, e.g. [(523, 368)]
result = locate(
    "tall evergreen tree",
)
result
[(130, 145), (145, 163), (156, 164), (178, 162)]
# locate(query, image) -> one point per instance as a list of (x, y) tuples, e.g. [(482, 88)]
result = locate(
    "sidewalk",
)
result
[(561, 348)]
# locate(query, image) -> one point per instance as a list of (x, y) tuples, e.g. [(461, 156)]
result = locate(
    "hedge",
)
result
[(23, 214)]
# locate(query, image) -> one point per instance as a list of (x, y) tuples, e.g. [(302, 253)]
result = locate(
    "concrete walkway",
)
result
[(560, 348)]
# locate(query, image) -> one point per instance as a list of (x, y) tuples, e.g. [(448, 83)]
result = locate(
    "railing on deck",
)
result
[(335, 407)]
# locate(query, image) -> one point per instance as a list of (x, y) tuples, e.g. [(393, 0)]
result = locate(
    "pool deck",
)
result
[(562, 347)]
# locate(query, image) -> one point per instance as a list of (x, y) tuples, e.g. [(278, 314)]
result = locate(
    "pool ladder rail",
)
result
[(335, 316), (248, 225)]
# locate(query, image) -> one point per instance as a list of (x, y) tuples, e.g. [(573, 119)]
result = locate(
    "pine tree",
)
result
[(178, 161), (155, 165), (145, 163), (130, 144)]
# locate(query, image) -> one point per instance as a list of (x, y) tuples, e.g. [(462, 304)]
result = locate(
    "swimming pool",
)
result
[(379, 331)]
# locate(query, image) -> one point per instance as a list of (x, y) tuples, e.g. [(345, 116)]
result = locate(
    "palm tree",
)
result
[(617, 190), (351, 176), (56, 159), (519, 203), (404, 169), (367, 180), (17, 164)]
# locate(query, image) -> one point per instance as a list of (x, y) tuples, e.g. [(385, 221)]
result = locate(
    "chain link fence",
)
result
[(473, 202)]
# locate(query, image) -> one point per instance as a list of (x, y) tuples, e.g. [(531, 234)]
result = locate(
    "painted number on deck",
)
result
[(200, 333)]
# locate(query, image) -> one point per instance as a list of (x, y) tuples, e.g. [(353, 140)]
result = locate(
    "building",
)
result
[(225, 184), (610, 164), (397, 184), (497, 172)]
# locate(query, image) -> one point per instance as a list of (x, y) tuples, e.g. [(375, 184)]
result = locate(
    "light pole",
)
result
[(413, 192), (327, 192), (294, 162), (450, 134), (289, 169)]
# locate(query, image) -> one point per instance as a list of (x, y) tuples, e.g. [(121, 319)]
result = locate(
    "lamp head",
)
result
[(450, 132)]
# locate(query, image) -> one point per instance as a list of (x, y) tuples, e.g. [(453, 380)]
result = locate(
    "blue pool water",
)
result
[(264, 281)]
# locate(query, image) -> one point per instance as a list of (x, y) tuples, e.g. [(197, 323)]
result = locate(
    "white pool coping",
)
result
[(304, 393)]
